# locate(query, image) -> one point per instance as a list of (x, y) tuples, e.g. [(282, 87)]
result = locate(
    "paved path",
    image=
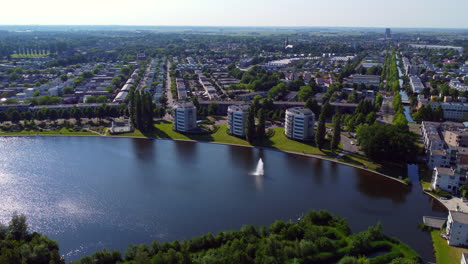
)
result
[(453, 204)]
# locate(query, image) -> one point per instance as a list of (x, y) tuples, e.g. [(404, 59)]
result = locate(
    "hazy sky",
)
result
[(349, 13)]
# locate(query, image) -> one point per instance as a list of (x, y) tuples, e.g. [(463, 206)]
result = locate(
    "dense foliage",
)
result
[(317, 238), (390, 72), (17, 245), (384, 142)]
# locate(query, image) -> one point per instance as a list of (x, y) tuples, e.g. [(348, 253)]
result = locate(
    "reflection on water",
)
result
[(91, 193), (143, 149), (375, 186)]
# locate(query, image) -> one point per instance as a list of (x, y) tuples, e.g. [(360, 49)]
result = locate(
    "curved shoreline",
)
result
[(219, 143)]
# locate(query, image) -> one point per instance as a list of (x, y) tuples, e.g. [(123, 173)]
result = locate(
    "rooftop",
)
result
[(459, 217), (442, 170), (300, 111)]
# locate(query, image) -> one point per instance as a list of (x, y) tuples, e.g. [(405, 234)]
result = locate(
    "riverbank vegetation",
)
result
[(444, 253), (317, 238), (18, 245)]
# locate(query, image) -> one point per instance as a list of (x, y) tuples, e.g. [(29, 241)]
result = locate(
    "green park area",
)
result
[(444, 253), (276, 140)]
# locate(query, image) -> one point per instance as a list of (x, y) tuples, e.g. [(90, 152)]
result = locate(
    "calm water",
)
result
[(95, 193)]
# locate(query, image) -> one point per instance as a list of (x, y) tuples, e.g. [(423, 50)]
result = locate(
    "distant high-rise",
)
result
[(388, 33)]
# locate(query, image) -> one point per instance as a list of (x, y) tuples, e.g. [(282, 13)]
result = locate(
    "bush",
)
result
[(442, 193)]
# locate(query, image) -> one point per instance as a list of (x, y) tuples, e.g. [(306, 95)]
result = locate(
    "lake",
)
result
[(90, 193)]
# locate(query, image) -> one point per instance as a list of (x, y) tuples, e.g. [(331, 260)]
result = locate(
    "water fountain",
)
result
[(259, 170)]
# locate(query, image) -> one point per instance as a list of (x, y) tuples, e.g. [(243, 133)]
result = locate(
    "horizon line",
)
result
[(225, 26)]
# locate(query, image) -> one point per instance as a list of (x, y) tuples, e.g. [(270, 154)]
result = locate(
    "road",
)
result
[(170, 99), (347, 146), (145, 77)]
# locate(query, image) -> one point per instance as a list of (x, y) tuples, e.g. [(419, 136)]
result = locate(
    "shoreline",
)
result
[(218, 143)]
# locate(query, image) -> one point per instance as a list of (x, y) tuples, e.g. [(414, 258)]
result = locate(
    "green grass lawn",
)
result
[(62, 131), (277, 141), (425, 185), (444, 253)]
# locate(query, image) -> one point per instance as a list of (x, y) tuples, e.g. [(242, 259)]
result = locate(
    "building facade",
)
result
[(457, 228), (185, 116), (447, 179), (299, 123), (237, 119), (452, 110)]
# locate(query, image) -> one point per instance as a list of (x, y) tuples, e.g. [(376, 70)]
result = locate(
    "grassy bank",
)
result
[(163, 130), (278, 141), (444, 253), (63, 131)]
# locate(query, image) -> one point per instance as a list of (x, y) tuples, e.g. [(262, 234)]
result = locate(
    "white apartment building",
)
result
[(416, 84), (237, 119), (457, 228), (447, 179), (365, 79), (185, 116), (434, 146), (299, 123)]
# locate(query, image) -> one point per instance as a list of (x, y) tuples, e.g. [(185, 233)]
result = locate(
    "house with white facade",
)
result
[(299, 123)]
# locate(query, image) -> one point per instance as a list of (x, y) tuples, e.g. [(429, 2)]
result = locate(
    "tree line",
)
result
[(45, 113), (318, 237)]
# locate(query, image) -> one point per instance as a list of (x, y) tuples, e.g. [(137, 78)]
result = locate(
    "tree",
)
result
[(87, 74), (261, 124), (386, 142), (91, 99), (68, 90), (463, 190), (438, 114), (101, 99), (321, 130), (213, 109), (250, 128), (18, 227), (14, 115), (336, 131), (352, 97), (305, 92), (3, 117), (378, 101), (313, 105)]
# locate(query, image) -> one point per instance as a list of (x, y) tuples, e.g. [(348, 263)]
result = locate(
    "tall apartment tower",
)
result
[(299, 123), (185, 116), (388, 33), (237, 119)]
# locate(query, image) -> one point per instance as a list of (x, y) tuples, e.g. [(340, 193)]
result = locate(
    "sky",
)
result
[(316, 13)]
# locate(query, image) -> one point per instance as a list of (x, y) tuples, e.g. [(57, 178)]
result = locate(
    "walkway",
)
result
[(453, 204)]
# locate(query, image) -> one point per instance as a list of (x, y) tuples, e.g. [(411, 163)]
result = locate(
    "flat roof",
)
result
[(459, 217)]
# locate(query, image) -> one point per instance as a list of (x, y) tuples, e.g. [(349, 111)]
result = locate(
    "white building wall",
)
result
[(457, 233)]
